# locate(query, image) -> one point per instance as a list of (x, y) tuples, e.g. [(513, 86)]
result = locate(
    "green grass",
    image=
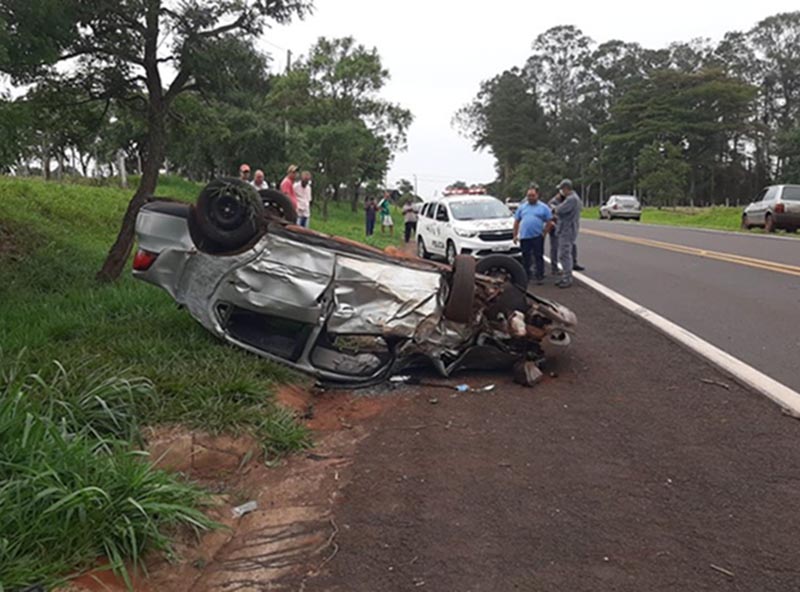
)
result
[(54, 309), (342, 221), (72, 485), (714, 218), (127, 356)]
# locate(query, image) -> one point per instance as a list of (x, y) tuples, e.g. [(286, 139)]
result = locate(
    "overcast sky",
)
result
[(439, 51)]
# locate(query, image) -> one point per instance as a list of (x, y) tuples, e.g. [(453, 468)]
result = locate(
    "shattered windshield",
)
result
[(485, 209)]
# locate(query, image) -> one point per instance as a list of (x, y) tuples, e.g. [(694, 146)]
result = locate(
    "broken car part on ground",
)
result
[(341, 311)]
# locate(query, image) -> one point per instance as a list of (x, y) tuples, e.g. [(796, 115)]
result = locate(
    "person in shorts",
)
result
[(385, 209)]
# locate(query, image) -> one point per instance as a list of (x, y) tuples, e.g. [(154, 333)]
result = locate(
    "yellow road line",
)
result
[(716, 255)]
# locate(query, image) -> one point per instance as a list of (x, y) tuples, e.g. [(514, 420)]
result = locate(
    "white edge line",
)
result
[(769, 387)]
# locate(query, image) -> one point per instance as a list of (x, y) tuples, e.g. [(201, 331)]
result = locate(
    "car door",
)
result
[(426, 223), (768, 203), (755, 212), (608, 206), (440, 225)]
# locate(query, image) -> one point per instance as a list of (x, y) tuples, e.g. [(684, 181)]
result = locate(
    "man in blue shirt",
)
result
[(532, 221)]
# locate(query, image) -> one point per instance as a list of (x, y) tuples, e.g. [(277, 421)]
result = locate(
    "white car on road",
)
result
[(477, 225)]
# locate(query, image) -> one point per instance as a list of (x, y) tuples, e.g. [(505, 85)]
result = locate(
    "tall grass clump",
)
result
[(72, 487)]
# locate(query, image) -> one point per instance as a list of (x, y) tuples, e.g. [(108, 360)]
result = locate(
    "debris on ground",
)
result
[(527, 373), (240, 511), (716, 383), (722, 570), (461, 388)]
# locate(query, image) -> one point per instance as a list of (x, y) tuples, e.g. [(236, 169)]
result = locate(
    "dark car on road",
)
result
[(336, 309), (776, 207)]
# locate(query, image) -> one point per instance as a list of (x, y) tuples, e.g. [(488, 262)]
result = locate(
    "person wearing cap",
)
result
[(287, 185), (244, 173), (532, 221), (568, 214), (555, 201), (302, 189)]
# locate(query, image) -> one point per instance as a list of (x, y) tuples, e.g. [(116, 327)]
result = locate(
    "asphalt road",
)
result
[(740, 292), (629, 468)]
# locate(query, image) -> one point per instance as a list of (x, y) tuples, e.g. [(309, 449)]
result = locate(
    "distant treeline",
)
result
[(696, 122)]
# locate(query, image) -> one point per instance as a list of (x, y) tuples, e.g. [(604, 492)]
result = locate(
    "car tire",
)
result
[(600, 215), (278, 205), (460, 302), (422, 251), (200, 240), (450, 253), (228, 213), (745, 223), (494, 265), (769, 224), (638, 218)]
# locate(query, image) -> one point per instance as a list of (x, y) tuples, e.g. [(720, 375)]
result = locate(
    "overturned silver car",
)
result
[(341, 311)]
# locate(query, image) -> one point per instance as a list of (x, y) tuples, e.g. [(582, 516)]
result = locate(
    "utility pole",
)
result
[(286, 118), (416, 189)]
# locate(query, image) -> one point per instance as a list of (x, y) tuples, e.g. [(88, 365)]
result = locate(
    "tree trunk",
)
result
[(354, 200), (156, 148), (46, 164)]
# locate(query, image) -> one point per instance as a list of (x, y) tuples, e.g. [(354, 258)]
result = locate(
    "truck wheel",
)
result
[(278, 205), (462, 290), (228, 213), (503, 266)]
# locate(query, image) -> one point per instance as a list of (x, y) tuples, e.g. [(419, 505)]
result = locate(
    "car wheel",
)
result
[(422, 252), (278, 205), (228, 213), (451, 253), (600, 215), (462, 290), (769, 224), (503, 266), (638, 218), (745, 223)]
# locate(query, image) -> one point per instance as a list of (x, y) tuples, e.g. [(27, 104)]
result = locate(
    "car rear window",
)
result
[(628, 200), (791, 193)]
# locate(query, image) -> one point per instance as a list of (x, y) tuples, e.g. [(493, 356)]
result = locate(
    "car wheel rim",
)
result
[(227, 212), (451, 254), (420, 248)]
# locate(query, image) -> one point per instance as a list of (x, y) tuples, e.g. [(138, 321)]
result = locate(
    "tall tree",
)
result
[(700, 112), (506, 118), (123, 50), (331, 102), (663, 173), (558, 67)]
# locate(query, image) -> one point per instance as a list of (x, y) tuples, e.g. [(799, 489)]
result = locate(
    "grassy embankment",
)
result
[(713, 218), (716, 218), (71, 484)]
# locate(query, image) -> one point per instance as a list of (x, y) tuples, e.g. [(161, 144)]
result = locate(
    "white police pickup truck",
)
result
[(462, 224)]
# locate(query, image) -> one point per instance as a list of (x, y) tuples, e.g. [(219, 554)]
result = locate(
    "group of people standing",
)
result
[(560, 220), (383, 208), (295, 185)]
